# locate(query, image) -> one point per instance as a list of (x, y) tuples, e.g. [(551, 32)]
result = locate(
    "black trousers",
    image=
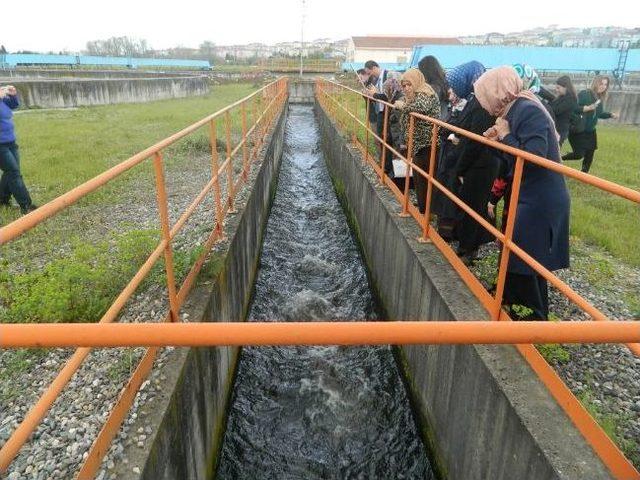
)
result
[(530, 291), (586, 156), (421, 159)]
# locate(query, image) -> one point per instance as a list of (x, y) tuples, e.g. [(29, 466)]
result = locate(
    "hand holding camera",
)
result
[(8, 90)]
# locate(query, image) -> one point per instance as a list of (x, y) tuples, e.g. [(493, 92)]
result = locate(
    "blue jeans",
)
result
[(11, 182)]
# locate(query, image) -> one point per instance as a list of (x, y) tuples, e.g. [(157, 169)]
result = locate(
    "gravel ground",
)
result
[(61, 442), (606, 378)]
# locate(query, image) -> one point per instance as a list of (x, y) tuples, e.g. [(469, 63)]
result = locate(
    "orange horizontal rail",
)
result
[(601, 183), (27, 222), (313, 333), (610, 187), (608, 451), (275, 94)]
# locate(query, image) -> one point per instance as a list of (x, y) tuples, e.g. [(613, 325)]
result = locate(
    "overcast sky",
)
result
[(69, 24)]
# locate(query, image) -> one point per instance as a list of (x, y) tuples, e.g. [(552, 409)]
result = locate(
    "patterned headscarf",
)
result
[(391, 87), (530, 78), (462, 77)]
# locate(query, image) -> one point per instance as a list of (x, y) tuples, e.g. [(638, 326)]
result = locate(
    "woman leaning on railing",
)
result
[(419, 97)]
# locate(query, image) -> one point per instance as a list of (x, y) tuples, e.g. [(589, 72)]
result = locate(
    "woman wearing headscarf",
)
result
[(419, 98), (460, 80), (501, 188), (590, 104), (475, 169), (542, 217)]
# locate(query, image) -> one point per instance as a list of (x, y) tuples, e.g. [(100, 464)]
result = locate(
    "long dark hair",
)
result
[(435, 76), (565, 81)]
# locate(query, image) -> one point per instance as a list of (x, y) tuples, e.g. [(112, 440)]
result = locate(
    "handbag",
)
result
[(578, 123)]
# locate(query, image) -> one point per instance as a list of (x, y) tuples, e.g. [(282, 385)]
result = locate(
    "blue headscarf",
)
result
[(462, 77)]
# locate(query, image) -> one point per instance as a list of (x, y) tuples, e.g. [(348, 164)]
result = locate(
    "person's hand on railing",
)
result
[(491, 210), (399, 104), (370, 90), (453, 139), (502, 128), (491, 133)]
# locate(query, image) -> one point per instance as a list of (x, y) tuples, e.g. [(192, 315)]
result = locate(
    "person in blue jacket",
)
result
[(541, 226), (11, 182)]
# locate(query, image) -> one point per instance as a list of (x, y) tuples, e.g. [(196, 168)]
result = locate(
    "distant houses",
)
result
[(389, 48)]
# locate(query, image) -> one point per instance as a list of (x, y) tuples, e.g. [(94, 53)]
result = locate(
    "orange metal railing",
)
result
[(261, 108), (344, 104), (312, 333), (337, 100), (309, 65)]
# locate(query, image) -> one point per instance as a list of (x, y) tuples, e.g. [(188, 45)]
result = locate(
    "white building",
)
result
[(389, 49)]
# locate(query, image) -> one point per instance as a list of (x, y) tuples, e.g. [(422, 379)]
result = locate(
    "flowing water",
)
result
[(316, 412)]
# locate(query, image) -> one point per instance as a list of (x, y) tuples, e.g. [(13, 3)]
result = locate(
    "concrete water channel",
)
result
[(316, 238)]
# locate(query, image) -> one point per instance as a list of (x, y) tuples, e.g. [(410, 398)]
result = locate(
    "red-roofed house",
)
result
[(390, 49)]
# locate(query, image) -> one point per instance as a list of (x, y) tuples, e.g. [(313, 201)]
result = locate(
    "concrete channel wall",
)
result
[(484, 413), (188, 422), (64, 73), (67, 93)]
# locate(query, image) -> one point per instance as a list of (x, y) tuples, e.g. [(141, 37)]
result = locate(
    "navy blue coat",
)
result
[(542, 221)]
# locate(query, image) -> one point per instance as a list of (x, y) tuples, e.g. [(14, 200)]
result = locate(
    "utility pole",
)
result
[(302, 36)]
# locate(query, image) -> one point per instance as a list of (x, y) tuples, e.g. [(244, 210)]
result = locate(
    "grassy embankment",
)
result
[(63, 148)]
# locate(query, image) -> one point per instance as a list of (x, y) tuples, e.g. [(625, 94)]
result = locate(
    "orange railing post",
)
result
[(230, 187), (254, 142), (432, 168), (508, 235), (365, 157), (383, 149), (245, 153), (11, 231), (161, 194), (215, 174), (409, 168)]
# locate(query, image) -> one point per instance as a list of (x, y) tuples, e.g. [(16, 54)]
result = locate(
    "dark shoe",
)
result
[(467, 257), (28, 209)]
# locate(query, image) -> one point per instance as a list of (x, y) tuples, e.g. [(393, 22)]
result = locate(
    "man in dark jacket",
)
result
[(11, 182)]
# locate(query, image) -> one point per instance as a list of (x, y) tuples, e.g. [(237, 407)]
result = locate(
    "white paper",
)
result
[(400, 168)]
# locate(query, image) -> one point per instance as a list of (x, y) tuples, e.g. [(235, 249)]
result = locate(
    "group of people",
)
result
[(507, 104), (11, 183)]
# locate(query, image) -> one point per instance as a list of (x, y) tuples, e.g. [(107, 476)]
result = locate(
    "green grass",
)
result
[(63, 148), (611, 423), (599, 218), (16, 361)]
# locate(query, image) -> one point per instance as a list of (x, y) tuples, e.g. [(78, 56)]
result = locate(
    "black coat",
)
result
[(446, 168), (542, 221), (477, 164), (564, 107)]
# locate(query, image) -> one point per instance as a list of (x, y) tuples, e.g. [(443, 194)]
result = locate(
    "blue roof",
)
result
[(541, 58), (15, 59)]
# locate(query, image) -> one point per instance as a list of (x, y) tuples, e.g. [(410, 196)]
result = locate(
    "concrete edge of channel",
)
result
[(483, 412), (188, 419)]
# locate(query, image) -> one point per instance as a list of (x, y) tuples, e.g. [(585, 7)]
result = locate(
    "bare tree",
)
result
[(118, 47)]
